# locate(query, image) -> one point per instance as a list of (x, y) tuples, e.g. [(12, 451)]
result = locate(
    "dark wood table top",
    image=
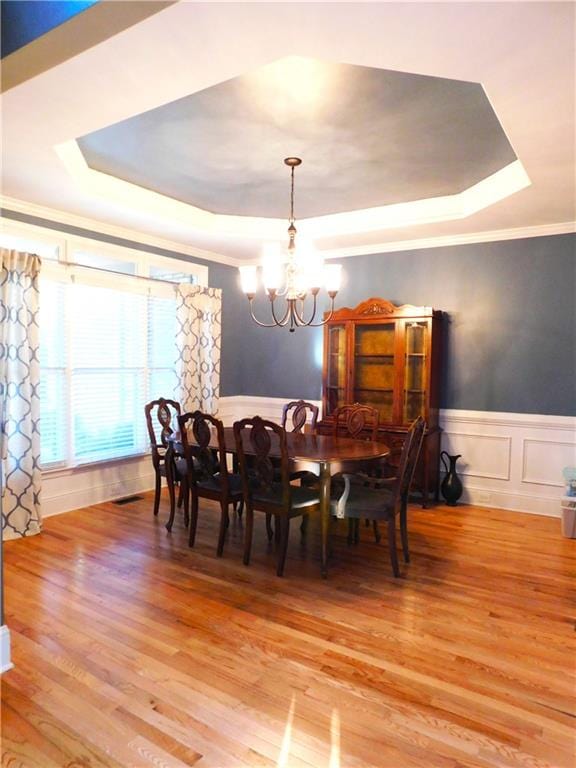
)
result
[(315, 448)]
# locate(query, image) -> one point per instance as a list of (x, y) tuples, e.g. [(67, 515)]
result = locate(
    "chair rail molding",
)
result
[(509, 461)]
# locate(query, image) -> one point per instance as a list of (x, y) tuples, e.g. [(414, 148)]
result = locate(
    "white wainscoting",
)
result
[(66, 489), (509, 460)]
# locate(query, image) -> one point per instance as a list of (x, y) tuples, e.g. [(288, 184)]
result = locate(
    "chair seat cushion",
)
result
[(372, 503), (302, 498), (214, 483), (181, 469)]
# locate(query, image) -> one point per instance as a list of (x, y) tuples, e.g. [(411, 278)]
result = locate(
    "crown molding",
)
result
[(54, 216), (519, 233), (92, 225)]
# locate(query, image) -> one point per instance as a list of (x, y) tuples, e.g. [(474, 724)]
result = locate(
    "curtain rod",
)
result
[(112, 272)]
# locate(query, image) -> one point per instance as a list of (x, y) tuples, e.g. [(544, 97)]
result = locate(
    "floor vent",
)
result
[(128, 500)]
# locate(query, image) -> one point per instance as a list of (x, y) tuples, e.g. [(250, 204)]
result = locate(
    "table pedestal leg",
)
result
[(325, 513)]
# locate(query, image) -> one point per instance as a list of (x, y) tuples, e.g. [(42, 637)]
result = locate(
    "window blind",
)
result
[(104, 354)]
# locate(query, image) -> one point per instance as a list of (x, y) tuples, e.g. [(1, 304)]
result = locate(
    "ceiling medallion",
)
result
[(292, 274)]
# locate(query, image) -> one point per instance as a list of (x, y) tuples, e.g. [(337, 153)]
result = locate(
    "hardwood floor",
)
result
[(132, 650)]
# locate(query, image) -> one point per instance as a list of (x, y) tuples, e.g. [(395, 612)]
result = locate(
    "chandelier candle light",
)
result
[(292, 275)]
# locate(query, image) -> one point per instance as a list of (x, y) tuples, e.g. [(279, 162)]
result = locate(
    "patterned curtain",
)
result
[(19, 394), (198, 340)]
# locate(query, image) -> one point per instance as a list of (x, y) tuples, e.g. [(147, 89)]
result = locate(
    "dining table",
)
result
[(324, 455)]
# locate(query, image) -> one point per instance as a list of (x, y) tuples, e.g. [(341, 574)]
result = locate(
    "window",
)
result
[(104, 354), (107, 341)]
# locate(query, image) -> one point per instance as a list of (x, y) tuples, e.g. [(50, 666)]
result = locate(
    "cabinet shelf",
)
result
[(363, 354), (372, 389)]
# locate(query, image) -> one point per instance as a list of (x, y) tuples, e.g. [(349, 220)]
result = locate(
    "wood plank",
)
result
[(132, 649)]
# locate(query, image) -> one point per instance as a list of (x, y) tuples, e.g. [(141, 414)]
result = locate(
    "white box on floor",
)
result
[(569, 517)]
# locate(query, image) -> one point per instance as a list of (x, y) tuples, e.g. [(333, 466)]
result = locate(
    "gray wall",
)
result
[(510, 330)]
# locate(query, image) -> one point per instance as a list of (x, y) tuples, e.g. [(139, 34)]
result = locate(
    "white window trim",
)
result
[(66, 245)]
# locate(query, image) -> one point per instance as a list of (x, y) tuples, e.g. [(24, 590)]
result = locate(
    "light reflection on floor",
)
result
[(284, 756)]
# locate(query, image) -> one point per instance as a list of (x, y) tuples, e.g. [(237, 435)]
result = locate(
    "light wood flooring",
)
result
[(132, 650)]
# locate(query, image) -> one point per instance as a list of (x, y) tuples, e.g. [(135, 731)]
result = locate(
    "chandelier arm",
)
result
[(313, 315), (284, 320), (325, 319), (300, 316), (258, 322)]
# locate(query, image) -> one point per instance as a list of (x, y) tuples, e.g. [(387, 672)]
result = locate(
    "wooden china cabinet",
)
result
[(387, 357)]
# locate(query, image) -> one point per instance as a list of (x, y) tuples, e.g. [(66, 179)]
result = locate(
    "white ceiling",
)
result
[(522, 53)]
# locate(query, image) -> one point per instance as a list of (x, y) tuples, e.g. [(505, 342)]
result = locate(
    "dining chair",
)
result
[(160, 414), (356, 421), (207, 470), (296, 412), (257, 443), (382, 499)]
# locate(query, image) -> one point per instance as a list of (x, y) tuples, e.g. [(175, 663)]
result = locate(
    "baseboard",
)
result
[(5, 657), (509, 461)]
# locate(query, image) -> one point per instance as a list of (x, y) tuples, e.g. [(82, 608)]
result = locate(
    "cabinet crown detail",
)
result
[(376, 306)]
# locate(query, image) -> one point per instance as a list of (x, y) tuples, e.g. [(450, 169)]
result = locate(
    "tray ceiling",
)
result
[(368, 137)]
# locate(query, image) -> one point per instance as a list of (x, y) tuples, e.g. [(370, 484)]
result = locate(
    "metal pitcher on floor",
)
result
[(451, 485)]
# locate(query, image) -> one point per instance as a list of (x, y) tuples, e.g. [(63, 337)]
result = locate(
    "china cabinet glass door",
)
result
[(415, 366), (374, 367), (336, 381)]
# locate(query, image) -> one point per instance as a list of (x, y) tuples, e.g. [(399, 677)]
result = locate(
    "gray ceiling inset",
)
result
[(368, 137)]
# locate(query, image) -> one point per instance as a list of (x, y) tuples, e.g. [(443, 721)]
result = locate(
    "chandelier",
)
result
[(292, 275)]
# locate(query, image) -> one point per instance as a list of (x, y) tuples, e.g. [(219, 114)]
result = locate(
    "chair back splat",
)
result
[(356, 421), (258, 439), (204, 462), (297, 412), (165, 412)]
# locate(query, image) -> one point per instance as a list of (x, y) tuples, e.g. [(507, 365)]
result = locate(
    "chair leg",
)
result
[(157, 491), (248, 535), (180, 494), (269, 529), (193, 519), (304, 526), (185, 494), (392, 545), (240, 509), (186, 502), (404, 530), (350, 538), (171, 494), (224, 522), (283, 524), (277, 532), (377, 535), (357, 531)]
